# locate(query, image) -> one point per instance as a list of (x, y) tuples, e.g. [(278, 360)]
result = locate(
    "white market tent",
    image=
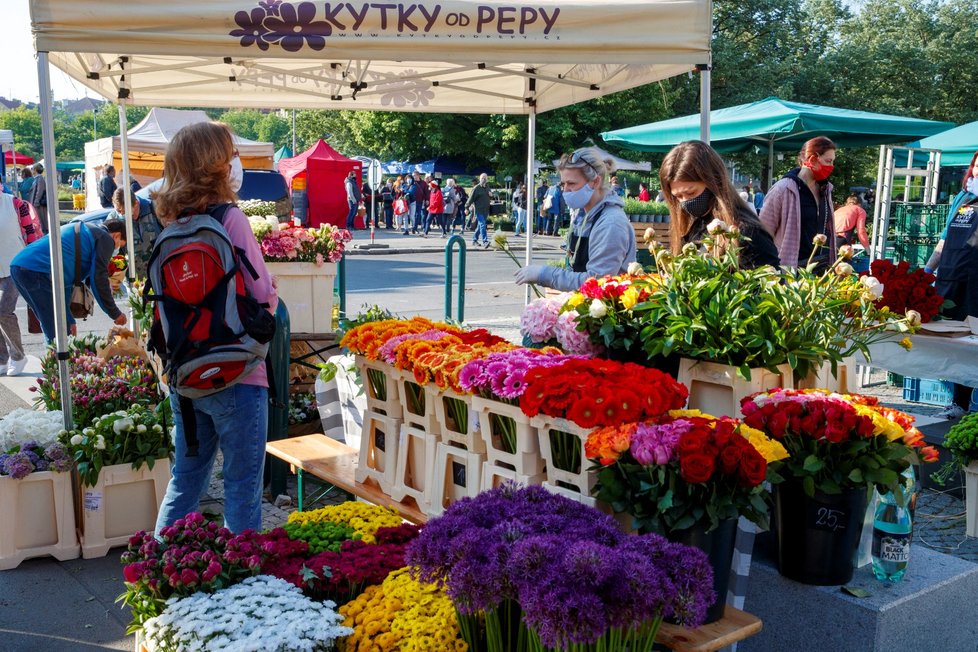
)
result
[(455, 56), (147, 143)]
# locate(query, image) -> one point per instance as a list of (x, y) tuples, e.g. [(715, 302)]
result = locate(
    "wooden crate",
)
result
[(457, 474), (38, 518), (390, 404)]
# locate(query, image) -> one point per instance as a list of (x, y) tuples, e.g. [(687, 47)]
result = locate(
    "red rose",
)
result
[(777, 424), (730, 459), (696, 467), (753, 468)]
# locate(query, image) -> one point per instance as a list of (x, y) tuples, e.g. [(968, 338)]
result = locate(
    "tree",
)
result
[(26, 125)]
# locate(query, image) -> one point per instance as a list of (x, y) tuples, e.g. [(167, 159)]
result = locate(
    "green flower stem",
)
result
[(378, 383), (505, 427)]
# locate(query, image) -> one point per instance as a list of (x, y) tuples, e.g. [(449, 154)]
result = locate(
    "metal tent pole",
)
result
[(130, 239), (770, 164), (704, 69), (531, 139), (54, 238)]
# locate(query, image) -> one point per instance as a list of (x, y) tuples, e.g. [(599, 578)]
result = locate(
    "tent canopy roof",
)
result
[(321, 151), (785, 124), (154, 133), (957, 145), (475, 56)]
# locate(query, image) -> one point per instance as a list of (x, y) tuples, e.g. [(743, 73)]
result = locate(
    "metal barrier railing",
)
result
[(449, 247)]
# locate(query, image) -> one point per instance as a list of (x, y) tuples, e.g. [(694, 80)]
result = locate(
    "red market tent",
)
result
[(22, 159), (324, 170)]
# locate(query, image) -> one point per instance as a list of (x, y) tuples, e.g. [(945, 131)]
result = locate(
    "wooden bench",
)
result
[(736, 625), (335, 463)]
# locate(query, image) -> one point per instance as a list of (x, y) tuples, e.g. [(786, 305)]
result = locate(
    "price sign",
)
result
[(829, 519)]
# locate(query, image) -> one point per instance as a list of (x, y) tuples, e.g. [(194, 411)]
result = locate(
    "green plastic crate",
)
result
[(915, 251), (918, 220)]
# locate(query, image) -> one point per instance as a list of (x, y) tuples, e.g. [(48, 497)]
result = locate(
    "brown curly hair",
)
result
[(195, 171)]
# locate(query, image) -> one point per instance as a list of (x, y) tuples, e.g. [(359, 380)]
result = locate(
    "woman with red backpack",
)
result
[(234, 419)]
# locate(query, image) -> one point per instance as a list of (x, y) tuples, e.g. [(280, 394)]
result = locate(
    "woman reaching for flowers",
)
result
[(702, 200), (602, 243)]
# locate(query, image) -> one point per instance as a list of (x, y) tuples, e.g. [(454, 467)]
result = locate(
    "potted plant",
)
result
[(303, 414), (35, 489), (743, 330), (962, 441), (688, 476), (304, 260), (123, 462), (840, 447), (646, 211)]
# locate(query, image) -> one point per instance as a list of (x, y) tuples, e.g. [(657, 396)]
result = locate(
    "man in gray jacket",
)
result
[(479, 198)]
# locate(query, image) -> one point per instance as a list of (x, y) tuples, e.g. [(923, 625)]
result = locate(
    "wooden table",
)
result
[(736, 625), (336, 463)]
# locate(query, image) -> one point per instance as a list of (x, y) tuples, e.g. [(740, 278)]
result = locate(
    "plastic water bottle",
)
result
[(892, 532)]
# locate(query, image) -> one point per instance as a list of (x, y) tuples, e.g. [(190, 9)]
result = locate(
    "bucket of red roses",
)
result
[(570, 399), (688, 476), (841, 447), (304, 262)]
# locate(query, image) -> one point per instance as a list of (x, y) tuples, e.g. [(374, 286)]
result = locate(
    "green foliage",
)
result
[(636, 207), (707, 308)]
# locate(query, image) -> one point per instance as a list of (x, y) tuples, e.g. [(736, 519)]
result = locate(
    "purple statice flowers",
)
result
[(28, 457), (501, 375), (573, 572)]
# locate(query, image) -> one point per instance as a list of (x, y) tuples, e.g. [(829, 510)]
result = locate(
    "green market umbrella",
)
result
[(777, 125), (957, 145)]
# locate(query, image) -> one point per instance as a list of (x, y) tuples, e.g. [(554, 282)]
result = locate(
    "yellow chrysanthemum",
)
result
[(365, 519)]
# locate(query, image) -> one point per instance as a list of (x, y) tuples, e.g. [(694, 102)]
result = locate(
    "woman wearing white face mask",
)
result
[(236, 175), (602, 241)]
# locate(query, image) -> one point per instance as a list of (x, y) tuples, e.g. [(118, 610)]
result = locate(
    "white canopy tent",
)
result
[(455, 56), (147, 143)]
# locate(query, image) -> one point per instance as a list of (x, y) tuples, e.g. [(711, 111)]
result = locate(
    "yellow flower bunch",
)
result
[(770, 449), (881, 425), (402, 615), (365, 519)]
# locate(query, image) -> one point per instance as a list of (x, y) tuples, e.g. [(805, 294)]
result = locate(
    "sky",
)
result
[(18, 75)]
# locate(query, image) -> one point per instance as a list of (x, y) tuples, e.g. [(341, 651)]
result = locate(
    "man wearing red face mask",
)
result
[(798, 209)]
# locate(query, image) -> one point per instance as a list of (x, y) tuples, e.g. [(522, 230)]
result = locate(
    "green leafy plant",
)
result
[(366, 315), (707, 307), (136, 436), (636, 207)]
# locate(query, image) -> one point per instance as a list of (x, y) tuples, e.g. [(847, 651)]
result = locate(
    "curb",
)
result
[(394, 250)]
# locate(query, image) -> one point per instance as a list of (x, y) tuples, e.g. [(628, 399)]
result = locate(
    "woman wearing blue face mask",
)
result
[(602, 241), (698, 191)]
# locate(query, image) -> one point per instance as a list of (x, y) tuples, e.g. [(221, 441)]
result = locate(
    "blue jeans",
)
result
[(36, 289), (480, 228), (351, 217), (520, 220), (236, 419), (429, 219)]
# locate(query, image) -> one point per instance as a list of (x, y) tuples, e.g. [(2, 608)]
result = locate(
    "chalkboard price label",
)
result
[(829, 519), (458, 474), (380, 440)]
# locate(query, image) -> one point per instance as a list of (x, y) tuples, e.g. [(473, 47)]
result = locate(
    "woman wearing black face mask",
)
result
[(799, 207), (698, 191)]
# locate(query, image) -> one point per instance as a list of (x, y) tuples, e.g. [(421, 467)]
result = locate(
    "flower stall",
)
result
[(304, 262), (120, 447)]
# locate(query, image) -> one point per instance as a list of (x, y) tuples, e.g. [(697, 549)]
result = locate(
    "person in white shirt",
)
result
[(12, 358)]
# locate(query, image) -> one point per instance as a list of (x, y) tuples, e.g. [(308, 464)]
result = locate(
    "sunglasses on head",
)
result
[(577, 158)]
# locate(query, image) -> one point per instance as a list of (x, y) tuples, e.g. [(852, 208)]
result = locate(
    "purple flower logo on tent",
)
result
[(290, 26), (251, 28), (400, 93), (271, 6)]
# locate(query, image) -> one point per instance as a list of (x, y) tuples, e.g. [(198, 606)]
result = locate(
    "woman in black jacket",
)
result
[(698, 191)]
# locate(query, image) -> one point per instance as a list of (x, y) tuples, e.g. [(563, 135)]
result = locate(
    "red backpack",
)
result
[(208, 329)]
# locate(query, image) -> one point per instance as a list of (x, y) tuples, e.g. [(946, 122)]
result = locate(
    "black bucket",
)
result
[(817, 536), (719, 547)]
